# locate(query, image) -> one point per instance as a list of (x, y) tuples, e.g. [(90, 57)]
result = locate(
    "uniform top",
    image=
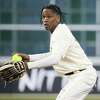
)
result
[(65, 46), (65, 55)]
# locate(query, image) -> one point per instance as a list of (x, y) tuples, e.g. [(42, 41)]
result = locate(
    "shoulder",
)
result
[(63, 27)]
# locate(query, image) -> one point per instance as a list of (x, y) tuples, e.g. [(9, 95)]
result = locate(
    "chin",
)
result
[(47, 28)]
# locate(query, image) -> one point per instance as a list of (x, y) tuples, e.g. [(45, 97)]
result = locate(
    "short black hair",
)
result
[(54, 8)]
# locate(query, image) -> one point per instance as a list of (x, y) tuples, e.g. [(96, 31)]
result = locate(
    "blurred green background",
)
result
[(27, 12)]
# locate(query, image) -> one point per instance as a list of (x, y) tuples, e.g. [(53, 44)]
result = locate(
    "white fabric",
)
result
[(72, 56), (45, 62), (79, 85), (34, 57)]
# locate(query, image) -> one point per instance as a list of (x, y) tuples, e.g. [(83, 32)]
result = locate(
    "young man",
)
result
[(66, 56)]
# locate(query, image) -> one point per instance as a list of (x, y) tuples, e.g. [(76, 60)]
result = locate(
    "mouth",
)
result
[(46, 26)]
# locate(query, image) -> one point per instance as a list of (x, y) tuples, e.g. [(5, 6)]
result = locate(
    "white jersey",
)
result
[(72, 55), (66, 55)]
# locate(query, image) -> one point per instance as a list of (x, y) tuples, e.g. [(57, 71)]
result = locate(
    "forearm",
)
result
[(45, 62), (35, 57)]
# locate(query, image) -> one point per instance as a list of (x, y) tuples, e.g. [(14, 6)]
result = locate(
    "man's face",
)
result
[(50, 19)]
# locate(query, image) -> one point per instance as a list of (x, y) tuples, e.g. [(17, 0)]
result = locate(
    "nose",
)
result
[(45, 21)]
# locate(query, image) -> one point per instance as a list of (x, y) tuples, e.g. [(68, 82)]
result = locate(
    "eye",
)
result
[(46, 17), (43, 16), (49, 16)]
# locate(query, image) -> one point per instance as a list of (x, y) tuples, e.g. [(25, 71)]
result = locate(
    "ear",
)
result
[(58, 19)]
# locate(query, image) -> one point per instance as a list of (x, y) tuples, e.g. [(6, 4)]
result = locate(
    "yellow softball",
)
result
[(16, 58)]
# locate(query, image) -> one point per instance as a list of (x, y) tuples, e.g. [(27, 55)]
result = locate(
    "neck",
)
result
[(52, 30)]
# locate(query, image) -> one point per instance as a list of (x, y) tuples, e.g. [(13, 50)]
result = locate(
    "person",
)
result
[(66, 56)]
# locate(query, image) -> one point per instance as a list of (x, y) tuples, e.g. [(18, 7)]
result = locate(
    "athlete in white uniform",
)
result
[(66, 56)]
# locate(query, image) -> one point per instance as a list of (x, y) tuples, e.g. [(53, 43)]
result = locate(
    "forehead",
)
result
[(48, 11)]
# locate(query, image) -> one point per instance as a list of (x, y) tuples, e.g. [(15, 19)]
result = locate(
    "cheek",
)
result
[(54, 21)]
